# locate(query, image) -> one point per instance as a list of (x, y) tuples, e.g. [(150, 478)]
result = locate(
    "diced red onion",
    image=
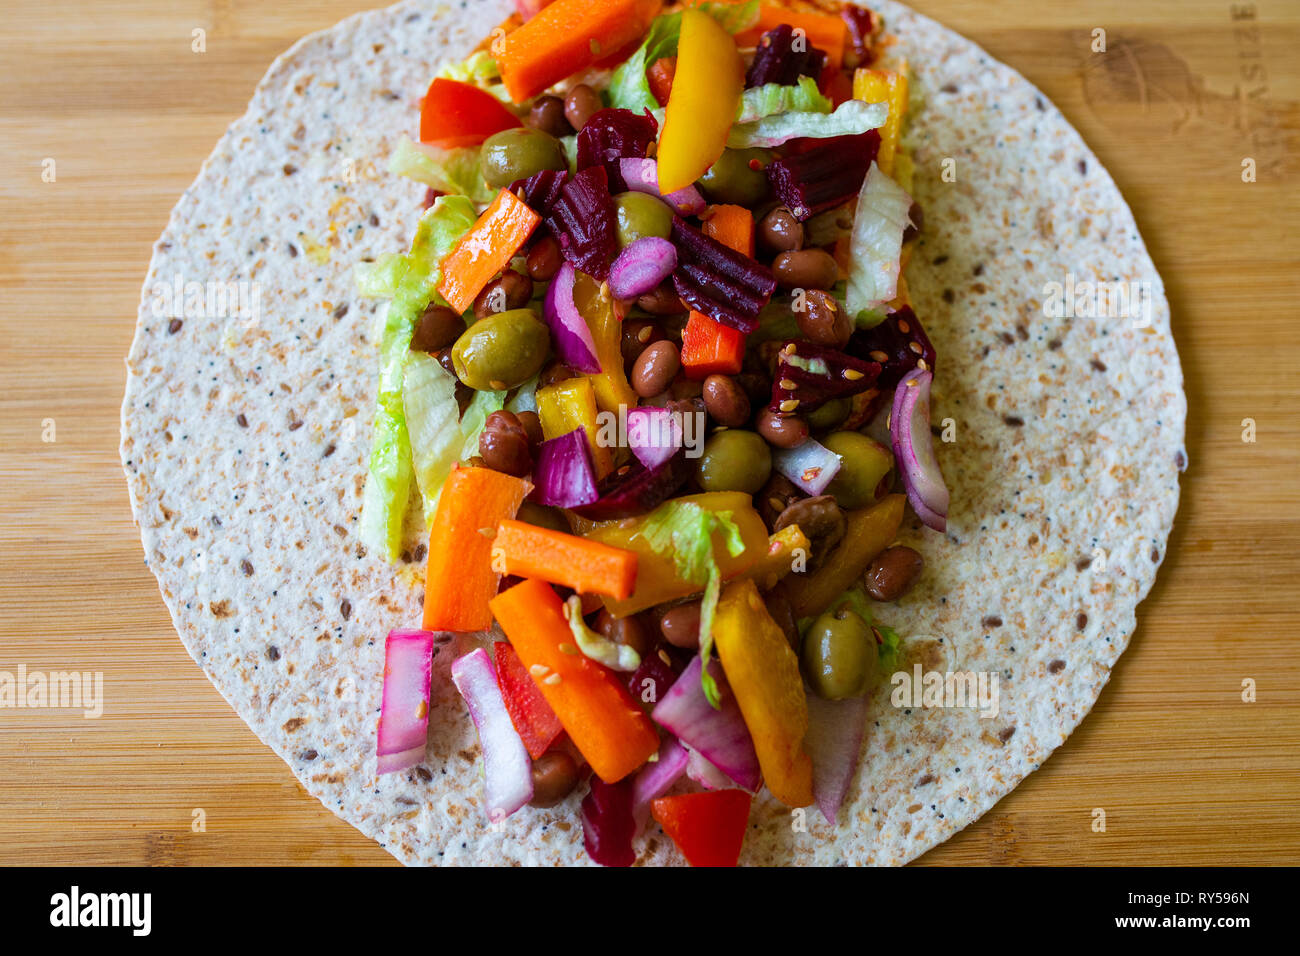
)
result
[(641, 266), (637, 490), (507, 772), (642, 176), (654, 779), (909, 428), (704, 773), (719, 735), (810, 465), (573, 340), (404, 712), (564, 476), (834, 744), (654, 434)]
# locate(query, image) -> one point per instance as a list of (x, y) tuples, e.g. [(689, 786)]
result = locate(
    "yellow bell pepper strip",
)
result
[(566, 37), (764, 675), (704, 102), (486, 249), (657, 579), (868, 532), (888, 87), (604, 723), (597, 306), (571, 404), (783, 548)]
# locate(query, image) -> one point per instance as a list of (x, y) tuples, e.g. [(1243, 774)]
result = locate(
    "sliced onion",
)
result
[(909, 429), (507, 772), (642, 176), (404, 712), (564, 476), (654, 779), (654, 434), (641, 266), (834, 744), (719, 735), (704, 773), (810, 465), (573, 341)]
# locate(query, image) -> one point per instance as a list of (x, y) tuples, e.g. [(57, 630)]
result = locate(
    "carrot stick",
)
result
[(825, 31), (486, 249), (708, 346), (460, 579), (568, 36), (528, 551), (604, 723)]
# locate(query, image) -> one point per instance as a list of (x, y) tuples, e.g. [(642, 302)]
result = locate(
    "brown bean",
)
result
[(556, 371), (532, 426), (680, 625), (510, 290), (783, 431), (631, 630), (579, 105), (725, 401), (662, 300), (437, 328), (655, 369), (893, 572), (777, 495), (464, 394), (819, 518), (823, 321), (547, 115), (637, 334), (544, 259), (555, 774), (805, 269), (503, 445), (780, 231)]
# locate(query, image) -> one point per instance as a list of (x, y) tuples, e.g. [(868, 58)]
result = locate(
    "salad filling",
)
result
[(650, 377)]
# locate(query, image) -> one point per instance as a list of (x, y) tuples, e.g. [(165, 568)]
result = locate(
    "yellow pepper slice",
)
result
[(596, 305), (869, 531), (656, 574), (889, 87), (782, 549), (764, 675), (706, 93), (571, 404)]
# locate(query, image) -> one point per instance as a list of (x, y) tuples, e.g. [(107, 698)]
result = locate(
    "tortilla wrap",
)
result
[(245, 435)]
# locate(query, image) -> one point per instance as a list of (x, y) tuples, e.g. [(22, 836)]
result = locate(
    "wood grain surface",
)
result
[(1186, 771)]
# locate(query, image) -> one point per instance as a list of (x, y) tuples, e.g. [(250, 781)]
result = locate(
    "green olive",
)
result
[(641, 215), (864, 464), (518, 153), (501, 351), (830, 415), (839, 655), (734, 460), (733, 178)]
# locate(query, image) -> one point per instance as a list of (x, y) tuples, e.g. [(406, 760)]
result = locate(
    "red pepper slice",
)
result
[(529, 712), (458, 114), (709, 827)]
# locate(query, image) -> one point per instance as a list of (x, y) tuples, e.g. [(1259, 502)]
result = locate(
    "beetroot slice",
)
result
[(899, 344), (718, 281), (582, 220), (825, 176), (811, 375), (636, 489), (614, 134), (777, 61)]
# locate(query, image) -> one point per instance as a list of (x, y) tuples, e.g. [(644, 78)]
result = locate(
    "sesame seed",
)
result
[(539, 670), (790, 404), (878, 356), (915, 347), (853, 374), (787, 384), (553, 680), (903, 326)]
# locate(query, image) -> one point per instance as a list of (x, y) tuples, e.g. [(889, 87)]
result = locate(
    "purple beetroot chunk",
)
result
[(607, 823), (898, 343), (582, 219), (718, 281), (808, 376), (614, 134), (634, 489), (779, 59), (825, 176)]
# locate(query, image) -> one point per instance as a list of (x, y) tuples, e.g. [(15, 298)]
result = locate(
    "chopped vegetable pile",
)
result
[(651, 366)]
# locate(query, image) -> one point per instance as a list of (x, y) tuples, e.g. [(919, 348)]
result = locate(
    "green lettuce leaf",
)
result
[(429, 400), (849, 119), (602, 650), (453, 171), (388, 479), (891, 650), (685, 530), (476, 415), (379, 279), (773, 98)]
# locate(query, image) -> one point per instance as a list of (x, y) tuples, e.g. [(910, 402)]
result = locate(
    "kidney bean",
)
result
[(631, 630), (780, 231), (823, 321), (544, 259), (555, 774), (510, 290), (680, 625), (547, 115), (503, 445), (725, 401), (437, 328), (655, 369), (663, 300), (893, 572), (532, 426), (805, 269), (819, 518), (783, 431), (777, 495), (579, 105)]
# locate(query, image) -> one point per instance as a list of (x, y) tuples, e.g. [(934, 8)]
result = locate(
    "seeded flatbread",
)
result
[(245, 438)]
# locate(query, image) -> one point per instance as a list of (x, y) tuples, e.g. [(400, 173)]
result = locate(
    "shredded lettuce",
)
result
[(773, 98), (685, 530), (877, 242), (602, 650), (453, 171), (429, 400), (379, 279), (478, 69), (476, 415), (850, 118), (628, 87), (388, 480), (890, 650)]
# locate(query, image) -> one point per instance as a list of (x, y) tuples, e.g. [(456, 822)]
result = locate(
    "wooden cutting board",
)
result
[(1186, 772)]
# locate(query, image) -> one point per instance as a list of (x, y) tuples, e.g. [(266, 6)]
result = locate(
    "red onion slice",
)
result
[(404, 712), (721, 735), (641, 266), (909, 429), (704, 773), (642, 176), (654, 434), (564, 476), (507, 772), (573, 341), (834, 744), (810, 465), (654, 779)]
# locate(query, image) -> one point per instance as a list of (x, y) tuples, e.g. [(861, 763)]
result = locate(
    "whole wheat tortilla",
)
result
[(245, 439)]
